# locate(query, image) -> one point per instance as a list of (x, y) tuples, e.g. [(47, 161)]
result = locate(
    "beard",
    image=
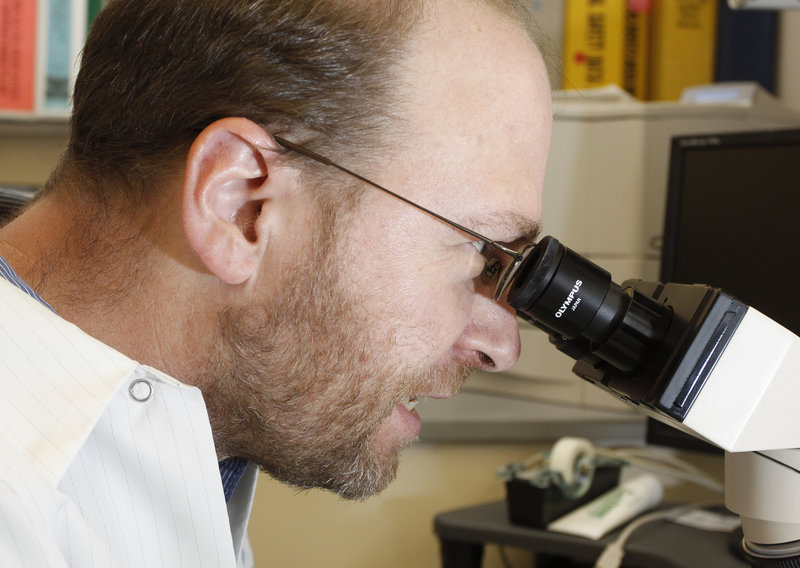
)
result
[(300, 384)]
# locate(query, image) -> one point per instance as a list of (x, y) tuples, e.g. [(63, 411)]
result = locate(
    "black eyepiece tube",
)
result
[(560, 290)]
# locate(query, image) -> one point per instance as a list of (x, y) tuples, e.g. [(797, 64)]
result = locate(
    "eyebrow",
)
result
[(529, 227), (303, 151), (524, 228)]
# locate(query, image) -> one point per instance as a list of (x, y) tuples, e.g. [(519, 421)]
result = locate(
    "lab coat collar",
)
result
[(51, 403)]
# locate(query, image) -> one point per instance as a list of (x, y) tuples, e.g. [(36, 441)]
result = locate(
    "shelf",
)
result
[(33, 126)]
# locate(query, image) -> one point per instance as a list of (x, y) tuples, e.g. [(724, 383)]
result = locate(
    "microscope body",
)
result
[(693, 357), (723, 372), (732, 381)]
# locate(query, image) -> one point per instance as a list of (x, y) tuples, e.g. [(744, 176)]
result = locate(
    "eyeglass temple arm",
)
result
[(323, 160)]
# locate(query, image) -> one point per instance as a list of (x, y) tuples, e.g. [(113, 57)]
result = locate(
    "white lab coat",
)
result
[(104, 462)]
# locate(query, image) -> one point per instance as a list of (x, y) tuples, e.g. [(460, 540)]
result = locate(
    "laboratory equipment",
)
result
[(692, 356)]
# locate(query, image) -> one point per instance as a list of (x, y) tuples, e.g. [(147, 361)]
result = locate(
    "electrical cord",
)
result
[(614, 552), (647, 459), (664, 464)]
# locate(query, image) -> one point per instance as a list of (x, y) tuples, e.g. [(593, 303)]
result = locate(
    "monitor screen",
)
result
[(733, 221), (733, 218)]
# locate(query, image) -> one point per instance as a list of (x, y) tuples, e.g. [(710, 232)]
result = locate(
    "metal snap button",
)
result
[(141, 390)]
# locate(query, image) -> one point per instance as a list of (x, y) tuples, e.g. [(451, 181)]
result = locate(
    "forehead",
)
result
[(477, 117)]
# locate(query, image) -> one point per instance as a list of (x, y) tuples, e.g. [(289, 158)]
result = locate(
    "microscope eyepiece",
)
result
[(576, 301)]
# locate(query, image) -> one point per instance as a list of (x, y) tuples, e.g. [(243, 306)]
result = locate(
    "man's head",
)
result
[(155, 74), (307, 307)]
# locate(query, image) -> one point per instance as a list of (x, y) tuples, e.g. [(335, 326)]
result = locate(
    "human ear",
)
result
[(228, 182)]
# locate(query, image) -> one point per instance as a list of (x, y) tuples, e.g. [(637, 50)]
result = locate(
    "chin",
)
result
[(370, 479)]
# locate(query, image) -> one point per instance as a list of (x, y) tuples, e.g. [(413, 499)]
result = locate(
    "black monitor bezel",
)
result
[(658, 433)]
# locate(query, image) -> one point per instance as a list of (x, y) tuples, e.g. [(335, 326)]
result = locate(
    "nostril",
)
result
[(486, 361)]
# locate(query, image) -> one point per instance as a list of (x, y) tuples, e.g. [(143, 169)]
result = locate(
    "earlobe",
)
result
[(226, 187)]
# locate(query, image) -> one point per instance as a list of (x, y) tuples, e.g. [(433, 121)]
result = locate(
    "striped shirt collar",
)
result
[(9, 274), (231, 469)]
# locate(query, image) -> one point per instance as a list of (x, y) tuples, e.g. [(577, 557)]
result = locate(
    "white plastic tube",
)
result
[(612, 509)]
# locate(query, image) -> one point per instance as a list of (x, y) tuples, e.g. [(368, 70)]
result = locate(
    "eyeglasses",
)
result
[(495, 268)]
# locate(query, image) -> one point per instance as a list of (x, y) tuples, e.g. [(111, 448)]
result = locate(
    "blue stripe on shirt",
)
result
[(231, 470), (8, 273)]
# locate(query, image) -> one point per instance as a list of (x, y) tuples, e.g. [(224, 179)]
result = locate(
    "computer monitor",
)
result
[(733, 221)]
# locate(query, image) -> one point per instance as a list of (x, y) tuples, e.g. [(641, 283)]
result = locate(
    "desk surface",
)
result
[(660, 544)]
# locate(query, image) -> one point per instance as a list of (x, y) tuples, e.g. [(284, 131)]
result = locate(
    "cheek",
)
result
[(417, 298), (416, 312), (428, 322)]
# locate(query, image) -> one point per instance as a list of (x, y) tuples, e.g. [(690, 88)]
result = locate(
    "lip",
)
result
[(438, 395), (407, 421)]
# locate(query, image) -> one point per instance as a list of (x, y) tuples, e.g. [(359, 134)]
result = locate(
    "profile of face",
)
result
[(317, 382), (310, 387)]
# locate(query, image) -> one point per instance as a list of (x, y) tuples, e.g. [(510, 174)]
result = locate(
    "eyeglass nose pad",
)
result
[(509, 272), (491, 270)]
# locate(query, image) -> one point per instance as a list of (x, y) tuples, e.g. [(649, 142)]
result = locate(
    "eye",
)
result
[(491, 270), (490, 267), (493, 266)]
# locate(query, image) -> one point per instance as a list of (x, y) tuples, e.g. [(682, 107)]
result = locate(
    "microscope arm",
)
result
[(763, 488), (749, 400), (747, 405)]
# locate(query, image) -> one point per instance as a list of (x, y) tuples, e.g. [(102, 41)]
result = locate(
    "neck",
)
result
[(55, 248), (113, 284)]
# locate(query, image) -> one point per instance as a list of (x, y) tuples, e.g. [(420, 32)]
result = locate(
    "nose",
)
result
[(490, 341)]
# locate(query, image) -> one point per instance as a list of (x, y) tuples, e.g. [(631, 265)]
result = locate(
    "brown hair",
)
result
[(154, 73)]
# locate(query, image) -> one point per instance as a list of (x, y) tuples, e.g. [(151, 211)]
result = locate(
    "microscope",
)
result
[(693, 357)]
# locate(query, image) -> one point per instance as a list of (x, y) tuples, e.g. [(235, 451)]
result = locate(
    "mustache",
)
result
[(442, 381)]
